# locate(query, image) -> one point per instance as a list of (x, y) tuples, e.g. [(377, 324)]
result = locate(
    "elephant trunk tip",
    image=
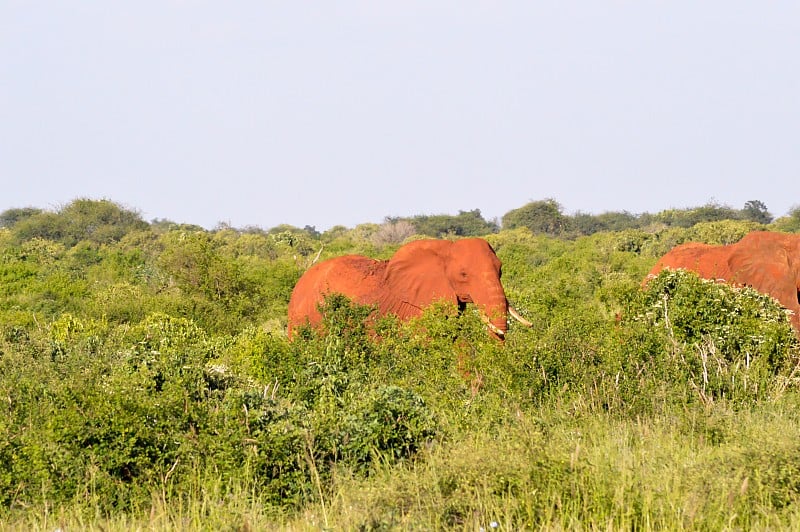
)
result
[(498, 327)]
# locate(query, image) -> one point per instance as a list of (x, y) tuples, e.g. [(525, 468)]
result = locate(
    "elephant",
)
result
[(766, 261), (418, 274)]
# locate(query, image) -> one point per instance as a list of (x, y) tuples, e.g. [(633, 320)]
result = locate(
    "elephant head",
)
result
[(461, 272)]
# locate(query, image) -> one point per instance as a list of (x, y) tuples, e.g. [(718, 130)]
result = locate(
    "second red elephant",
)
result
[(766, 261)]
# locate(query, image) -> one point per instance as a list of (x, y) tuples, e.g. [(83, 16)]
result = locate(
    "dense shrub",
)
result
[(113, 416), (464, 224), (541, 217), (732, 341), (789, 223), (11, 217), (98, 221)]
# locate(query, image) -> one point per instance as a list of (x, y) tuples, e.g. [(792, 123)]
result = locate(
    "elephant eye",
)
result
[(463, 274)]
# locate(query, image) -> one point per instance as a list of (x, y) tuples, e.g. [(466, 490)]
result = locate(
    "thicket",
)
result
[(146, 381)]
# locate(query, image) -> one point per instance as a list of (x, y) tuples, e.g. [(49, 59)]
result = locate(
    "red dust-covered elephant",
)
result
[(766, 261), (418, 274)]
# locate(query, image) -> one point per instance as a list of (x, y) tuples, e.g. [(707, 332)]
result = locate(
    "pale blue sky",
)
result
[(262, 113)]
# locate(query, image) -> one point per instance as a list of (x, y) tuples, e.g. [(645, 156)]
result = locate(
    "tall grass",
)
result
[(708, 468), (697, 470)]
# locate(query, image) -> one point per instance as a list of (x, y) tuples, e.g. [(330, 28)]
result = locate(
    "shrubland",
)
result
[(146, 382)]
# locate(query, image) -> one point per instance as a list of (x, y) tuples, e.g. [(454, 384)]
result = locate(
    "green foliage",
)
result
[(738, 320), (656, 244), (547, 217), (260, 355), (98, 221), (391, 423), (44, 225), (121, 412), (753, 211), (789, 223), (217, 278), (710, 212), (721, 233), (11, 217), (300, 241), (756, 211), (733, 340), (541, 217), (588, 224), (464, 224), (162, 225), (146, 381), (158, 411), (195, 265)]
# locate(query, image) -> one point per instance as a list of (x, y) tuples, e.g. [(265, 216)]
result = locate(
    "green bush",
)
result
[(540, 217), (732, 341), (389, 424), (98, 221)]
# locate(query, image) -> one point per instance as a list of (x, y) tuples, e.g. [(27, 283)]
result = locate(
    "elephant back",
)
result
[(767, 261), (703, 259), (353, 276)]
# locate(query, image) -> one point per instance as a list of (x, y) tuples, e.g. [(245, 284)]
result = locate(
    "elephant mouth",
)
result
[(463, 301)]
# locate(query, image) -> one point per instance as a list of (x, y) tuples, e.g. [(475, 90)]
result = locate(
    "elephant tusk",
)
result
[(516, 316), (492, 327), (316, 258)]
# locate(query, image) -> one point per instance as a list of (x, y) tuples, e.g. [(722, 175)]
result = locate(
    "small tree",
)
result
[(789, 223), (394, 232), (756, 211), (10, 217), (465, 223), (97, 221), (587, 224), (543, 216)]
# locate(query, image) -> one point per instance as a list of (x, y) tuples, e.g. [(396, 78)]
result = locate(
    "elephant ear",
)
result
[(766, 268), (415, 277)]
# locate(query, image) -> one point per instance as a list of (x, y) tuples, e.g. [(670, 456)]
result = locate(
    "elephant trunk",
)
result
[(494, 329), (500, 326), (494, 312)]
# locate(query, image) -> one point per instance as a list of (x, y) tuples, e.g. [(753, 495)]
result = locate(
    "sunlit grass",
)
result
[(704, 468), (696, 470)]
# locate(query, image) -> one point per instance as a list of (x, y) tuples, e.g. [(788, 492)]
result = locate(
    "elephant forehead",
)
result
[(477, 245), (478, 253)]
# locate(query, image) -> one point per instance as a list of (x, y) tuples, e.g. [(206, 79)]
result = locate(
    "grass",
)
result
[(704, 468), (696, 470)]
